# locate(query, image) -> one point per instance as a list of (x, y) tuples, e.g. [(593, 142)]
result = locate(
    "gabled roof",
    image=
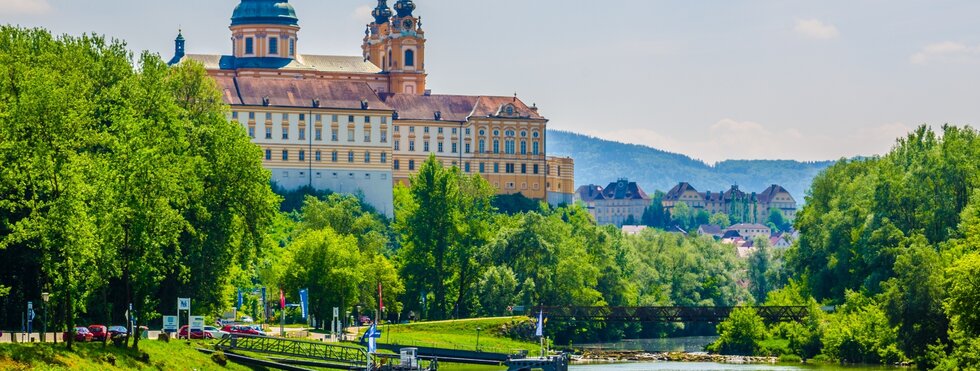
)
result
[(747, 226), (710, 229), (589, 193), (771, 192), (304, 62), (624, 190), (289, 92), (675, 193), (456, 107)]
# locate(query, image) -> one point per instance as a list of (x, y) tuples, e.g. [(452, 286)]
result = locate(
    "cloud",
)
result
[(738, 139), (362, 13), (815, 29), (29, 7), (946, 51)]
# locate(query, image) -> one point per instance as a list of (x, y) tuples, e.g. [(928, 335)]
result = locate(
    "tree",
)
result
[(760, 266), (655, 216), (720, 219), (498, 289), (740, 334), (777, 221), (330, 266)]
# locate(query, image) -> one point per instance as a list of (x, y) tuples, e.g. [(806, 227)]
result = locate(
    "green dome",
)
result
[(264, 12)]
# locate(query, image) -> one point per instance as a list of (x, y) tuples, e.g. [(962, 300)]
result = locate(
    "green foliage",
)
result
[(861, 333), (654, 215), (740, 334), (760, 266), (515, 204), (777, 221), (720, 219), (120, 183)]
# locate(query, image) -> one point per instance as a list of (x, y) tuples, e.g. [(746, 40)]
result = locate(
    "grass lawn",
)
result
[(460, 334), (175, 355)]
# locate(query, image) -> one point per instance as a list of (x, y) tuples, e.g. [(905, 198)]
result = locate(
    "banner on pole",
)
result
[(304, 301), (183, 303)]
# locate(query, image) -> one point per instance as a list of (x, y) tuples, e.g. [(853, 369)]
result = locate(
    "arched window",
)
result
[(409, 58)]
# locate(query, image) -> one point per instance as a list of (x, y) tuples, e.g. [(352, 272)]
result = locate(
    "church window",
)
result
[(350, 156), (523, 147), (409, 58), (384, 136), (285, 155), (333, 134), (534, 148), (496, 146), (350, 134), (367, 157), (523, 134), (411, 164), (483, 146), (251, 132), (384, 157), (319, 157), (274, 45), (292, 47), (535, 168), (411, 146), (496, 133), (249, 45), (302, 155), (398, 146), (268, 132), (333, 156), (268, 154), (535, 134), (425, 146), (397, 165)]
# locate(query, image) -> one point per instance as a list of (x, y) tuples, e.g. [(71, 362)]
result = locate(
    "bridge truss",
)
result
[(351, 357), (668, 314)]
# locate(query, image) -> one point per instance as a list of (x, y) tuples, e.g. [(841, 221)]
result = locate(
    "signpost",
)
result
[(184, 304), (30, 319), (170, 323), (196, 323)]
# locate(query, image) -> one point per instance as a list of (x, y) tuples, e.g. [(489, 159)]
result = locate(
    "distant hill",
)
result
[(599, 161)]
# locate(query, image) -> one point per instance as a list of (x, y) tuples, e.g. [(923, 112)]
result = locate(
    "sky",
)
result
[(711, 79)]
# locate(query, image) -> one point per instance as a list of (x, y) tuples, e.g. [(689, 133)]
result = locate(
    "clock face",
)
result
[(407, 24)]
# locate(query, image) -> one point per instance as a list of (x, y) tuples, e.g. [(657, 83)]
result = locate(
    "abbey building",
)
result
[(359, 124)]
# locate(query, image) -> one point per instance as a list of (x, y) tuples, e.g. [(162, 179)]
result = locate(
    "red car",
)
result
[(196, 334), (241, 330), (81, 334), (99, 332)]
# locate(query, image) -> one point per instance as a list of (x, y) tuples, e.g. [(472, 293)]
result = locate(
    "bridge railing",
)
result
[(346, 355), (668, 313)]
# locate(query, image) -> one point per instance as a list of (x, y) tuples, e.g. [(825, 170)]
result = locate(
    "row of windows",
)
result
[(334, 156), (318, 134), (273, 46), (302, 117), (509, 147), (509, 168), (496, 133), (285, 174)]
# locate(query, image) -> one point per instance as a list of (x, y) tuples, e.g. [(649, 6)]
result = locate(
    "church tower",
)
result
[(396, 44), (264, 33)]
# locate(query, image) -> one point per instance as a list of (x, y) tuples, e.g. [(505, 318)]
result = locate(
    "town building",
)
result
[(360, 124), (621, 202), (738, 205)]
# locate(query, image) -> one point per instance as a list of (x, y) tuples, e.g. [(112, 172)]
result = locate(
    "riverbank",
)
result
[(619, 356)]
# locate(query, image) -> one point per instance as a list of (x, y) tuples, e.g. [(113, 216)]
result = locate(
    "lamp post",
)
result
[(44, 322), (478, 338)]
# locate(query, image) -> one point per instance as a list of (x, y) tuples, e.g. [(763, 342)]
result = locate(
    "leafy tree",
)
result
[(329, 265), (498, 289), (777, 221), (655, 216), (740, 334), (760, 266), (720, 219)]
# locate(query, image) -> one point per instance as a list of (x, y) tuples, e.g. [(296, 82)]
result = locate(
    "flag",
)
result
[(540, 331), (240, 299), (371, 333), (381, 302), (304, 301), (282, 299)]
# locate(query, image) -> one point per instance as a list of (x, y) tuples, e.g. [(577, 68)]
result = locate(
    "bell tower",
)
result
[(396, 44), (407, 48)]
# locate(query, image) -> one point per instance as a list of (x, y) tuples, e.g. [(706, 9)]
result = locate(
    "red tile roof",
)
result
[(288, 92), (456, 107)]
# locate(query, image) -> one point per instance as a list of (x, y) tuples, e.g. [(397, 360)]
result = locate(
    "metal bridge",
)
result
[(668, 314), (340, 356)]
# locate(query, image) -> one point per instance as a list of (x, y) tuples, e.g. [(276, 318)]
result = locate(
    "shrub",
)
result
[(740, 334), (219, 358), (790, 358)]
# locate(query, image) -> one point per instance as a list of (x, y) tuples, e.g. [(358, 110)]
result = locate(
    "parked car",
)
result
[(242, 330), (117, 331), (215, 332), (247, 319), (80, 334), (195, 334), (99, 332)]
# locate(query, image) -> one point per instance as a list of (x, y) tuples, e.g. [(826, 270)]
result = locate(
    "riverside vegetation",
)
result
[(125, 183)]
